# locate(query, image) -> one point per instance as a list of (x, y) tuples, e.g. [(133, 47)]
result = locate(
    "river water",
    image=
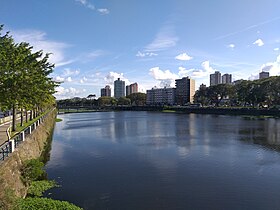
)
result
[(150, 160)]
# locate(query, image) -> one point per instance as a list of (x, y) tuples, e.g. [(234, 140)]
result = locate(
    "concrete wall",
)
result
[(32, 147)]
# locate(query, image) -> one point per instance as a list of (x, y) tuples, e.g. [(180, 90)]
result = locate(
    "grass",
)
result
[(20, 128), (169, 111), (58, 120)]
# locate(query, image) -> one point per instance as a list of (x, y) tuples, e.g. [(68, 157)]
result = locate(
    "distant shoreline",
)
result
[(177, 109)]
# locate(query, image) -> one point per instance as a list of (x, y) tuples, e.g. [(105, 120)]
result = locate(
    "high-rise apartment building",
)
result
[(215, 78), (263, 75), (185, 90), (226, 79), (119, 88), (161, 96), (133, 88), (106, 91)]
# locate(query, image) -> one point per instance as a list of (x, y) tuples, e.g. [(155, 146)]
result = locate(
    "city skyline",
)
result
[(93, 43)]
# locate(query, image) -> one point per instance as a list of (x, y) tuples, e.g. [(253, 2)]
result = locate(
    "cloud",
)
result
[(164, 39), (87, 4), (165, 77), (145, 54), (247, 28), (183, 57), (276, 49), (112, 76), (63, 93), (207, 68), (39, 41), (70, 72), (259, 42), (104, 11), (231, 46), (272, 67)]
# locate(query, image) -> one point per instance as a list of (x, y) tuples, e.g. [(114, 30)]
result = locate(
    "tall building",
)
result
[(133, 88), (263, 75), (106, 91), (226, 79), (119, 88), (185, 90), (215, 78), (161, 96)]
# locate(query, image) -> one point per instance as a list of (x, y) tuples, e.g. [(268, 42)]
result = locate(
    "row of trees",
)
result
[(137, 99), (262, 92), (25, 81)]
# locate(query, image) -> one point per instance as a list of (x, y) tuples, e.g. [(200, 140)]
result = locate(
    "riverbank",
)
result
[(179, 109), (11, 184)]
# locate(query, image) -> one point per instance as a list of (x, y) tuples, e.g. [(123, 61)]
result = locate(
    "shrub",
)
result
[(44, 203), (37, 188), (32, 170)]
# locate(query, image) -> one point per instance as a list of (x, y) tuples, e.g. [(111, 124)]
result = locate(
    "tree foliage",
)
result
[(25, 80), (262, 92)]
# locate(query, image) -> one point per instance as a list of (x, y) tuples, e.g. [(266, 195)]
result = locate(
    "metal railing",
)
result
[(10, 145)]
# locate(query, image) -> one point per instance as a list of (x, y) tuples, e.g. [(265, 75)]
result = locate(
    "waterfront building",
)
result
[(263, 75), (106, 91), (215, 78), (133, 88), (119, 88), (185, 90), (161, 96), (227, 79)]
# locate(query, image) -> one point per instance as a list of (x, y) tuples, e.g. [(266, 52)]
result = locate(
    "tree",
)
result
[(124, 101), (138, 99)]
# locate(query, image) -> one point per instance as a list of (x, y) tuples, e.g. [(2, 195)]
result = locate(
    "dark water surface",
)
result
[(148, 160)]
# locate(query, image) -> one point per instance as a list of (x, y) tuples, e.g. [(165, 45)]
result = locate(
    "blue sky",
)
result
[(149, 42)]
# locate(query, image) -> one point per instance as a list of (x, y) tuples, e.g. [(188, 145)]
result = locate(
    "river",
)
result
[(153, 160)]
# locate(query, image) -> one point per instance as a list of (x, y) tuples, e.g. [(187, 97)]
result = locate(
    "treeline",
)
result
[(137, 99), (244, 93), (25, 82)]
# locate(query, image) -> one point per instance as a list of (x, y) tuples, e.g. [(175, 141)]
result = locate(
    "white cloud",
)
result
[(63, 93), (112, 76), (69, 79), (164, 39), (104, 11), (231, 46), (207, 68), (87, 4), (165, 77), (95, 54), (144, 54), (58, 79), (276, 49), (259, 42), (39, 41), (272, 67), (183, 57), (69, 72)]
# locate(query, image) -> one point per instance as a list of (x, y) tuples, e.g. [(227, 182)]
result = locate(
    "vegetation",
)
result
[(37, 188), (33, 176), (138, 99), (44, 203), (58, 120), (32, 170), (25, 82), (257, 93)]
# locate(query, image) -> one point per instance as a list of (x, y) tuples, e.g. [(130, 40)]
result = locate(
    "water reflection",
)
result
[(265, 132), (117, 160)]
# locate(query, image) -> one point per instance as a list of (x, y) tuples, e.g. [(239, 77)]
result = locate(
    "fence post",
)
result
[(12, 145), (22, 136), (30, 130)]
